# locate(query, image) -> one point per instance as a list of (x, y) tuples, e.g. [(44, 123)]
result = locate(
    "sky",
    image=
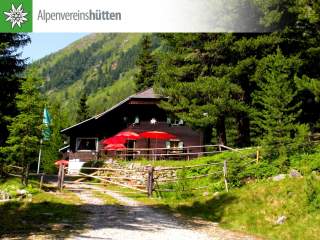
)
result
[(43, 44)]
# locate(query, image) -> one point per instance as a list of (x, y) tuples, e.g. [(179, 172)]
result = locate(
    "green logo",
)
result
[(16, 16)]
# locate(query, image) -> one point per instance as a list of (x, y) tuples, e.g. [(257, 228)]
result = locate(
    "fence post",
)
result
[(225, 175), (188, 154), (41, 181), (62, 178), (150, 181), (59, 177), (257, 159)]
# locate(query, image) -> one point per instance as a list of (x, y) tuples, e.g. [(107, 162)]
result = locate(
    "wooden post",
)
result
[(59, 177), (62, 178), (41, 181), (188, 156), (257, 159), (219, 146), (225, 175), (150, 181)]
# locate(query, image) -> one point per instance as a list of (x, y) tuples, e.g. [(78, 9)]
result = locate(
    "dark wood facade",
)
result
[(135, 114)]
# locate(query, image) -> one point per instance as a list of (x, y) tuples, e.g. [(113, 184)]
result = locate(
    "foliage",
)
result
[(50, 148), (82, 110), (146, 64), (312, 190), (11, 67), (26, 128), (276, 111), (92, 65)]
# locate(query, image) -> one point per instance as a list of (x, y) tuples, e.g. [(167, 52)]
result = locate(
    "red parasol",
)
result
[(114, 140), (61, 162), (128, 135), (114, 147), (157, 135)]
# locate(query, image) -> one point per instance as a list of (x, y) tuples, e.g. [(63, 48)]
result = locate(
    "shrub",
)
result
[(312, 191)]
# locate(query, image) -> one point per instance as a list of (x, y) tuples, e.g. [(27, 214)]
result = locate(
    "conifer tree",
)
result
[(147, 65), (83, 109), (11, 65), (276, 109), (26, 128), (50, 148), (195, 94)]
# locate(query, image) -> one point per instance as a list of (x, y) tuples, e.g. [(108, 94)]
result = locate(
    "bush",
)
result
[(312, 190)]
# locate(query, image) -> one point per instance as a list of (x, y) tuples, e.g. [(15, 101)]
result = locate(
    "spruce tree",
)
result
[(146, 64), (26, 128), (11, 67), (83, 109), (277, 109), (50, 148), (195, 94)]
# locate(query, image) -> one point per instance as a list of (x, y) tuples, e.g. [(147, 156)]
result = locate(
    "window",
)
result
[(175, 121), (174, 144), (136, 120), (87, 144)]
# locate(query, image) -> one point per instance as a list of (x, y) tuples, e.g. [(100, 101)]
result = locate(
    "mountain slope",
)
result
[(101, 65)]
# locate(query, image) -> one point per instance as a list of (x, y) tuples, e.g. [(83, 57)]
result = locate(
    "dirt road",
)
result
[(131, 220)]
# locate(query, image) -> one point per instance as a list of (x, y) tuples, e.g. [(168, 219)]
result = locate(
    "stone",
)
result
[(22, 192), (4, 195), (294, 173), (279, 177), (281, 220), (205, 194)]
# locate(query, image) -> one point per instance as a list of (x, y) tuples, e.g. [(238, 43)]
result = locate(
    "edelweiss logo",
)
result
[(16, 16)]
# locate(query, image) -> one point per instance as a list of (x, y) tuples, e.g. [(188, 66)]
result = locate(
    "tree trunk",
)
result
[(243, 130), (1, 170), (207, 135), (25, 174), (221, 130)]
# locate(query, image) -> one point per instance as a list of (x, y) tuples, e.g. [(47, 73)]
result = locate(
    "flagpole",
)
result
[(39, 159)]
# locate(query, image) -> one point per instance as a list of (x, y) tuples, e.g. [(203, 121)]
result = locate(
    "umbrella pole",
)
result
[(155, 156), (148, 144)]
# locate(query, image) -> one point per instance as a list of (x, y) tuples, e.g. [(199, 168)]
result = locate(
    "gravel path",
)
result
[(131, 220)]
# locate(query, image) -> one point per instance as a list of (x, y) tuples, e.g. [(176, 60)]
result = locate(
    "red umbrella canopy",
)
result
[(113, 147), (114, 140), (128, 135), (157, 135), (61, 162)]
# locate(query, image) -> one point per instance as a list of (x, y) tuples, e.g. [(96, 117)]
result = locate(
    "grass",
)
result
[(46, 213), (106, 198), (253, 208)]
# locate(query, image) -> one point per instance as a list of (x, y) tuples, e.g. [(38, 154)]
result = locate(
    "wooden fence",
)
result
[(168, 153), (149, 180)]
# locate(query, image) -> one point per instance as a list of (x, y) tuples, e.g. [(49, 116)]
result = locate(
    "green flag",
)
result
[(46, 122)]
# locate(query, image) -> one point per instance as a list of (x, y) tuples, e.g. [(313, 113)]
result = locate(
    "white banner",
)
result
[(140, 16)]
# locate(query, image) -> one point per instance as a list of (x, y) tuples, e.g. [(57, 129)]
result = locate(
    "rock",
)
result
[(294, 173), (279, 177), (22, 193), (216, 195), (4, 195), (281, 220), (205, 194)]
